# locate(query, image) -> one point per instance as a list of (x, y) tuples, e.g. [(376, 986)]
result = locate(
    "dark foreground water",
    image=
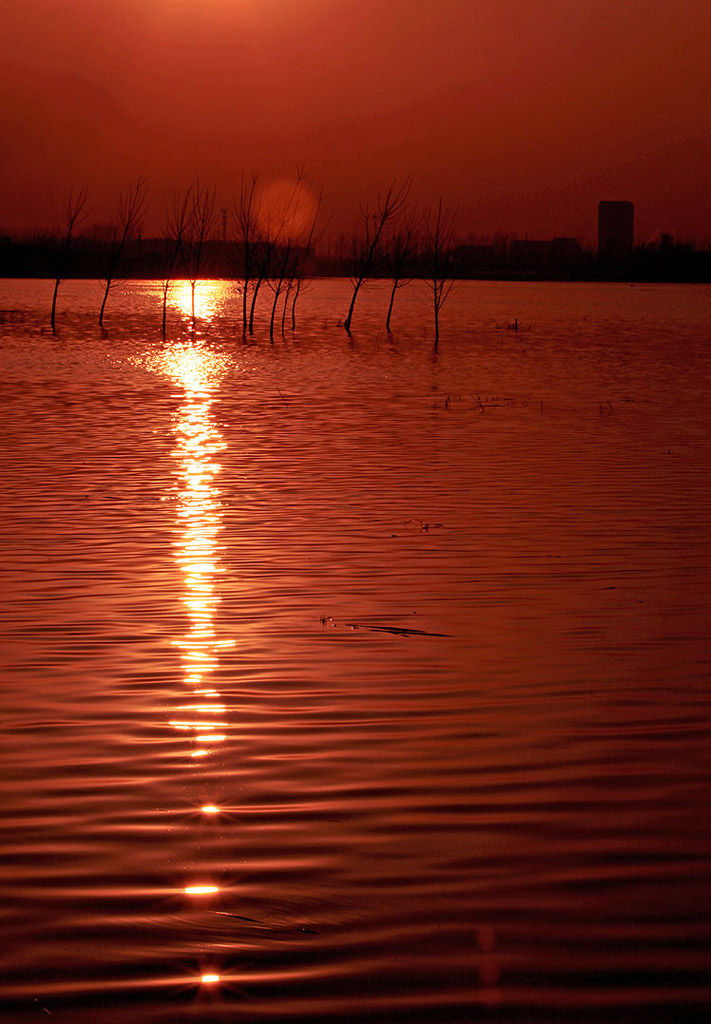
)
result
[(347, 681)]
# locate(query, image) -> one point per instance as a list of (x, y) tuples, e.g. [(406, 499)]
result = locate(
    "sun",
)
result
[(286, 209)]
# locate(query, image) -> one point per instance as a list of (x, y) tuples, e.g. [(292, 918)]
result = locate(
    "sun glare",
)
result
[(209, 297), (197, 368), (286, 209)]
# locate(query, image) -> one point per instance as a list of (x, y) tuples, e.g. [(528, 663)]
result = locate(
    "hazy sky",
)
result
[(522, 113)]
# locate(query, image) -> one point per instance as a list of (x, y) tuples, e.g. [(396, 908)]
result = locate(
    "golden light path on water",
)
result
[(198, 369), (202, 718), (209, 295)]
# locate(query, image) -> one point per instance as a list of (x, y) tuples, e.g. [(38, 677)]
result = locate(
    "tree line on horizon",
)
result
[(270, 247)]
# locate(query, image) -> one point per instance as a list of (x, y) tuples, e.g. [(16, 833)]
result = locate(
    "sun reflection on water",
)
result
[(198, 370), (209, 296), (201, 718)]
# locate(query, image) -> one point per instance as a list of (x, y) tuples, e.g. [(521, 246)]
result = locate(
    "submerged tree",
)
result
[(200, 226), (261, 268), (438, 259), (130, 211), (176, 226), (286, 221), (247, 238), (367, 237), (73, 211), (400, 252), (281, 270), (296, 282)]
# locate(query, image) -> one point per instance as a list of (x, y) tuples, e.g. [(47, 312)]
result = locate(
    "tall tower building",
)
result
[(615, 229)]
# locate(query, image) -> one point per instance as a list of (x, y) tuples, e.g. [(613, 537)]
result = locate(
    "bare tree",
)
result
[(73, 211), (400, 252), (438, 257), (297, 281), (176, 226), (281, 271), (265, 244), (200, 226), (130, 210), (247, 237), (284, 228), (268, 251), (367, 237)]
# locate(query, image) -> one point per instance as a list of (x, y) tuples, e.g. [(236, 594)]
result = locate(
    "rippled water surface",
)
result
[(350, 680)]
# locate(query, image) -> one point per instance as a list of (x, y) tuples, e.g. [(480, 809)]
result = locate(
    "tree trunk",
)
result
[(293, 304), (283, 310), (271, 318), (54, 305), (349, 318), (244, 307), (254, 303), (165, 305), (436, 323), (390, 307), (103, 304)]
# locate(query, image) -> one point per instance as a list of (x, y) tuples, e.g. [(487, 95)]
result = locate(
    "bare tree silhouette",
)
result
[(247, 237), (176, 226), (285, 227), (199, 229), (367, 237), (438, 257), (73, 211), (262, 267), (284, 241), (281, 271), (400, 252), (130, 210), (297, 281)]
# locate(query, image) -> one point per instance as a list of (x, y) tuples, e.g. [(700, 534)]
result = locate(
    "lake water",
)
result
[(347, 680)]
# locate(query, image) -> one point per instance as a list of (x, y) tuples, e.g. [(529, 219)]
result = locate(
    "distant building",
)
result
[(615, 230)]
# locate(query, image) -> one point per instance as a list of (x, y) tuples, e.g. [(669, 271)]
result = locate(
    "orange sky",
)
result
[(522, 113)]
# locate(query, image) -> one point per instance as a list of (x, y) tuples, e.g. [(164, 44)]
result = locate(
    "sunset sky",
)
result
[(521, 113)]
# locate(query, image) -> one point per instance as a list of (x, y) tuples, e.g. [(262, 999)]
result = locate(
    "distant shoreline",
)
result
[(144, 259), (503, 276)]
